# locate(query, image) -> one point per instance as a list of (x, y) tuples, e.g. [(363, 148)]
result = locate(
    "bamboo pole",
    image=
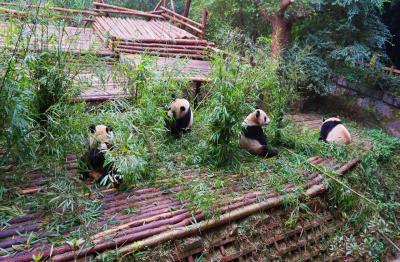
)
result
[(172, 5)]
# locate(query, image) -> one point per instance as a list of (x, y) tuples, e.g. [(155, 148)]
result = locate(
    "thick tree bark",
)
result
[(281, 33), (281, 25)]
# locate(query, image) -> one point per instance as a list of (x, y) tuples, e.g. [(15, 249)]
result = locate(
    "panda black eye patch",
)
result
[(182, 108), (92, 128)]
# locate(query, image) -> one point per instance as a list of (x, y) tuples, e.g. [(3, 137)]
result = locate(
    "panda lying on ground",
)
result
[(180, 117), (332, 130), (253, 138), (99, 142)]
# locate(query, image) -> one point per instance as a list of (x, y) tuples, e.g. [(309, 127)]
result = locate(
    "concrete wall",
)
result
[(385, 106)]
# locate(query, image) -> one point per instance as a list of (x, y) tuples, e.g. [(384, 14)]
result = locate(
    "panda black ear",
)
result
[(258, 113), (183, 108), (109, 129), (92, 128)]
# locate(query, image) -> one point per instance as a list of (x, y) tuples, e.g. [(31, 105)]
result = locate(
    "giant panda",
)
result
[(332, 130), (253, 138), (180, 117), (99, 142)]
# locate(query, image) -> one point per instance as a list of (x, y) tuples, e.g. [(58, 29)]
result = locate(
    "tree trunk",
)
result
[(281, 32)]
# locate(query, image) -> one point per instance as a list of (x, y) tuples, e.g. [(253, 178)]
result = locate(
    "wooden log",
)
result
[(167, 41), (204, 22), (136, 223), (186, 9), (133, 13), (181, 17), (179, 233), (196, 47), (197, 30), (349, 165), (124, 50), (161, 50)]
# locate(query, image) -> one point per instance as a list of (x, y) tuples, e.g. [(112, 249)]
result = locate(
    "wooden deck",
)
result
[(68, 39), (96, 90), (157, 213)]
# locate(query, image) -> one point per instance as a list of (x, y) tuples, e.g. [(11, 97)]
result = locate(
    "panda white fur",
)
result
[(332, 130), (253, 138), (99, 141), (180, 117)]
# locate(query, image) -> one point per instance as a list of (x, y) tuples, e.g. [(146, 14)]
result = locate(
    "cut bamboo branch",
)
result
[(349, 165), (157, 5)]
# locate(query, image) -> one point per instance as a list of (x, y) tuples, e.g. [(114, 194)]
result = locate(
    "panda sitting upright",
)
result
[(332, 130), (253, 138), (99, 142), (180, 117)]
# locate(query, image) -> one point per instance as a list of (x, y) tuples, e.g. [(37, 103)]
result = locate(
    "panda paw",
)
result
[(270, 152)]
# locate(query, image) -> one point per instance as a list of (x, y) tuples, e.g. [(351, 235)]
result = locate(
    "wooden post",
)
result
[(204, 23), (197, 90), (172, 5), (164, 3), (187, 8)]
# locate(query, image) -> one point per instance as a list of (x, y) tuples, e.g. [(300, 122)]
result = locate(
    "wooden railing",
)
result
[(198, 28)]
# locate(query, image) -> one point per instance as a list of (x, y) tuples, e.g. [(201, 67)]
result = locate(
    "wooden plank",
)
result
[(163, 50)]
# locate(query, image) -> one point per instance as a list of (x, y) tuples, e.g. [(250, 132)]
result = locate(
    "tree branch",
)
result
[(263, 11), (285, 5)]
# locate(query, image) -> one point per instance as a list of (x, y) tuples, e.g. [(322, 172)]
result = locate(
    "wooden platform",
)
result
[(146, 217), (75, 40), (95, 90)]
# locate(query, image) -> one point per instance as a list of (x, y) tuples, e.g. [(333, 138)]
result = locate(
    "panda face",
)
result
[(178, 108), (262, 117), (100, 135)]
